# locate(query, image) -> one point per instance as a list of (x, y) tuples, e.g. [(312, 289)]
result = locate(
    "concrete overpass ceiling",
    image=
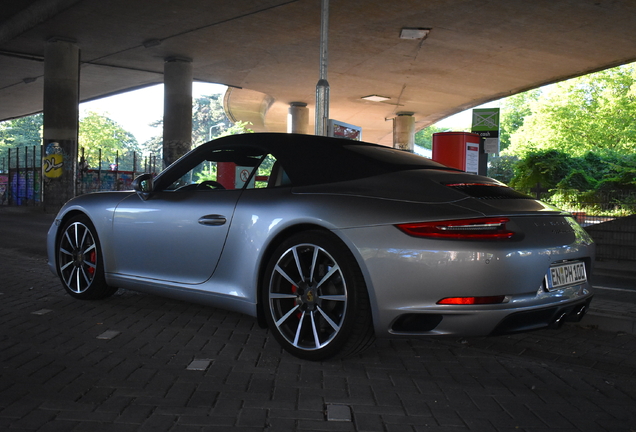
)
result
[(477, 51)]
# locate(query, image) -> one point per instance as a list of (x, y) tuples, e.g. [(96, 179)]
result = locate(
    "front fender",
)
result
[(99, 208)]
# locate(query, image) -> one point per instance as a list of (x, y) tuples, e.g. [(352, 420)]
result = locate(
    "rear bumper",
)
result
[(489, 322), (553, 317), (409, 276)]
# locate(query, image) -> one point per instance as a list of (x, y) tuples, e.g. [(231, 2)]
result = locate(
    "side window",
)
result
[(216, 169), (203, 176), (263, 173), (269, 174), (226, 169)]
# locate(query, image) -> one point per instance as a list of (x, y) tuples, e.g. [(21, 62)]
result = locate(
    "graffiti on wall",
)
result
[(53, 161), (4, 186), (95, 180), (20, 187)]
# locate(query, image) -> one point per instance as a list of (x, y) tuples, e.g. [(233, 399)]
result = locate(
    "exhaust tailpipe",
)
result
[(581, 312), (559, 321)]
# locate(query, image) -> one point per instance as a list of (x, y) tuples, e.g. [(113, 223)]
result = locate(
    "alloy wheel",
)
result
[(77, 257), (308, 297)]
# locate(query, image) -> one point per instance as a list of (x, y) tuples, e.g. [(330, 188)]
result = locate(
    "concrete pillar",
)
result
[(61, 117), (404, 131), (177, 109), (298, 118)]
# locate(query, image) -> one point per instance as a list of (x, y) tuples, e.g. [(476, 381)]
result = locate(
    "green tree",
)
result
[(513, 111), (502, 168), (620, 175), (424, 137), (18, 133), (153, 151), (589, 113), (208, 122), (240, 127), (100, 133), (567, 175), (545, 167), (208, 119)]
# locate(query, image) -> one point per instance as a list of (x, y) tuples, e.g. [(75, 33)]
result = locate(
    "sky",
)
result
[(464, 119), (136, 110)]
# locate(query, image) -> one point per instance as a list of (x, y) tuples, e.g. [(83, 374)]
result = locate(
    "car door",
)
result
[(173, 236), (178, 231)]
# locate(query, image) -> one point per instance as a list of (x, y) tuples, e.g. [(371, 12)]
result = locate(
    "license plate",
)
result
[(566, 274)]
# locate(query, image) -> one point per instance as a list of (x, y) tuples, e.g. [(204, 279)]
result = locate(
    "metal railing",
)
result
[(590, 207), (21, 176)]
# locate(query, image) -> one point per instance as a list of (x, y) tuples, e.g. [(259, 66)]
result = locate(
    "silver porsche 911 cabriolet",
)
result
[(329, 243)]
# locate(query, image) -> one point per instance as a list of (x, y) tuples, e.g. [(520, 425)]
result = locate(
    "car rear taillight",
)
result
[(472, 300), (493, 228)]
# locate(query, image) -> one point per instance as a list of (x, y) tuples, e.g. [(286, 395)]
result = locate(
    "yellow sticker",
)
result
[(53, 165)]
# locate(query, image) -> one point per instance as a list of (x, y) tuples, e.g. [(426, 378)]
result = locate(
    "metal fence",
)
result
[(112, 179), (590, 207), (21, 176)]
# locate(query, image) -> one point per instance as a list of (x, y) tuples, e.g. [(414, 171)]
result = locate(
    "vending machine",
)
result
[(461, 150)]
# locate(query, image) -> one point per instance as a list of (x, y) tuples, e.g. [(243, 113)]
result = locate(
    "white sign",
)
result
[(241, 176), (491, 145), (472, 158)]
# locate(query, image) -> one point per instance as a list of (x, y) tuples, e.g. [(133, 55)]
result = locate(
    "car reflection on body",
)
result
[(329, 243)]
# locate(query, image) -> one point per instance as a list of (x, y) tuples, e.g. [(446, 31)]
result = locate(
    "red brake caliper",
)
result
[(92, 257), (294, 288)]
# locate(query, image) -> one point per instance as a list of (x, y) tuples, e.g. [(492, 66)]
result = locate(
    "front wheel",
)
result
[(315, 299), (79, 260)]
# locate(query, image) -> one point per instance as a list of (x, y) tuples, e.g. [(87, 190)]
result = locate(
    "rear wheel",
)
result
[(79, 260), (315, 299)]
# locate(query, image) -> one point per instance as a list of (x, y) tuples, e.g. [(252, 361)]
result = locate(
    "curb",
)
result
[(616, 272), (618, 269)]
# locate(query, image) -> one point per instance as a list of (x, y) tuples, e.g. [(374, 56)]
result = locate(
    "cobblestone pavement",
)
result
[(138, 362), (122, 365)]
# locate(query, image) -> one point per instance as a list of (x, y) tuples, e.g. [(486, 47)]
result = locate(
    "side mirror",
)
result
[(143, 185)]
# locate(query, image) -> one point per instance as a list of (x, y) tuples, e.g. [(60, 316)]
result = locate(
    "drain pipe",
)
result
[(322, 88)]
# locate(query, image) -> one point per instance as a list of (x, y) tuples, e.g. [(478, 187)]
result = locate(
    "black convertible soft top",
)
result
[(310, 160), (306, 159)]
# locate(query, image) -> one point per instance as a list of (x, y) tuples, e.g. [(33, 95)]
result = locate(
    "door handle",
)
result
[(214, 220)]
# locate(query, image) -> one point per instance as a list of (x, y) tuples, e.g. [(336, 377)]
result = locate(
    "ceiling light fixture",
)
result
[(376, 98), (411, 33)]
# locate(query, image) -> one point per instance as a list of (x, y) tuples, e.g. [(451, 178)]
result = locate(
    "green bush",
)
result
[(502, 168), (602, 183)]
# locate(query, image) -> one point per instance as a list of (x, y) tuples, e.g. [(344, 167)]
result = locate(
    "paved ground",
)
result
[(122, 364)]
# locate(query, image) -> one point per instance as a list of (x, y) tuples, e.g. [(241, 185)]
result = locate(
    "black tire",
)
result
[(79, 260), (314, 297)]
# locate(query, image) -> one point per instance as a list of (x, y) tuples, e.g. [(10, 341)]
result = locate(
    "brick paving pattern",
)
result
[(122, 364)]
